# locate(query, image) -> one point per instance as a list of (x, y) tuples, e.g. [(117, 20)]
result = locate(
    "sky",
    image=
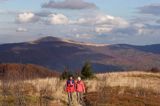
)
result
[(134, 22)]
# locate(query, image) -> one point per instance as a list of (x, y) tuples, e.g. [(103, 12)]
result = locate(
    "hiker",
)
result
[(70, 88), (80, 90)]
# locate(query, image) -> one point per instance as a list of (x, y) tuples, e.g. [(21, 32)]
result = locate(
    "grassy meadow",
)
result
[(110, 89)]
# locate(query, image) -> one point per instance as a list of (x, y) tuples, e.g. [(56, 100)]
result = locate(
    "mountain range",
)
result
[(57, 54)]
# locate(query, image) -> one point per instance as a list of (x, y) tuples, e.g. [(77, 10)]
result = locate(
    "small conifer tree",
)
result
[(86, 71)]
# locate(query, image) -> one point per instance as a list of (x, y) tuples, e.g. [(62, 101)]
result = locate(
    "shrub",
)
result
[(154, 70), (86, 71), (64, 75)]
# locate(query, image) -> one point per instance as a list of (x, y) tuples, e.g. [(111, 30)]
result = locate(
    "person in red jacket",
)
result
[(70, 88), (80, 89)]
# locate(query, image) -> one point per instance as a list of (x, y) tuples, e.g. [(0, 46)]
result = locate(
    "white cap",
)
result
[(79, 78)]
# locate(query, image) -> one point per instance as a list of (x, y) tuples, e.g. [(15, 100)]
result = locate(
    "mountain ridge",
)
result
[(56, 53), (56, 39)]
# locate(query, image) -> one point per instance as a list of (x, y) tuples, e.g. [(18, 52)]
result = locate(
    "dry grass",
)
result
[(55, 86), (52, 89), (134, 80), (145, 80), (124, 89)]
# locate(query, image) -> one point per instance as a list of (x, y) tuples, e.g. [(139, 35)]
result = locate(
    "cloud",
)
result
[(43, 13), (84, 36), (106, 23), (149, 30), (20, 29), (57, 19), (27, 17), (43, 17), (97, 24), (152, 9), (103, 23), (137, 29), (129, 31), (69, 4), (102, 29), (102, 20), (158, 21)]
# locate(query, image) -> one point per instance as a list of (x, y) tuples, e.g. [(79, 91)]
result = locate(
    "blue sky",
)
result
[(99, 21)]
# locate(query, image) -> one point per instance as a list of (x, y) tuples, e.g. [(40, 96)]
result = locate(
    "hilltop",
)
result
[(56, 54)]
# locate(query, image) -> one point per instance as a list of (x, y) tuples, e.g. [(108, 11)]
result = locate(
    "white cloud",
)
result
[(20, 29), (111, 21), (27, 17), (106, 23), (103, 23), (80, 21), (102, 20), (70, 4), (139, 25), (84, 36), (103, 29), (58, 19)]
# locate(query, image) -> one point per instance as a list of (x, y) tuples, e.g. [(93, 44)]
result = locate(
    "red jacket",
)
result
[(70, 86), (80, 86)]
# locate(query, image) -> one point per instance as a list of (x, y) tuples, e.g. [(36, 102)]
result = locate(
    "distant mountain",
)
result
[(47, 39), (56, 53)]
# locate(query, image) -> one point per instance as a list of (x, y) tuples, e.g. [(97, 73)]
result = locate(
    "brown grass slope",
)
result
[(25, 71), (125, 89)]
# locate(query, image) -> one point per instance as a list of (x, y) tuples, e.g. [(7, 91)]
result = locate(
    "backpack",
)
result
[(68, 82)]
